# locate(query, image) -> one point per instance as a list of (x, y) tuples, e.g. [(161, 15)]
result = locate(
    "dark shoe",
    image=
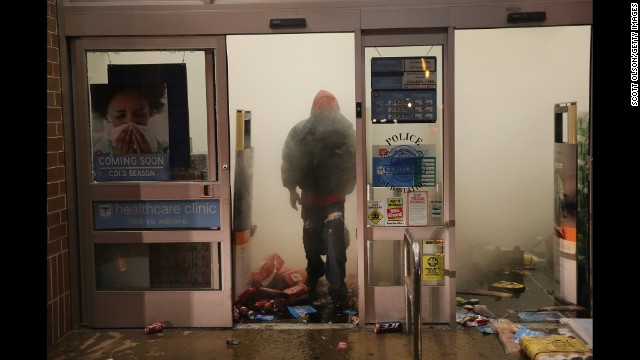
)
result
[(337, 313), (312, 284), (339, 307)]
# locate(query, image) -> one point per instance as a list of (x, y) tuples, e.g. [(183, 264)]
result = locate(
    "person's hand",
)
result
[(124, 141), (132, 141), (294, 198), (140, 142)]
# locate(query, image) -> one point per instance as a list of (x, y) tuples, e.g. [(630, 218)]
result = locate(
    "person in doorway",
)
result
[(127, 109), (318, 157)]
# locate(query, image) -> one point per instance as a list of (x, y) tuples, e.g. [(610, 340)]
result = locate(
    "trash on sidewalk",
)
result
[(484, 311), (297, 292), (554, 347), (298, 311), (524, 331), (531, 261), (265, 276), (389, 326), (264, 317), (541, 316), (275, 288), (508, 286), (153, 328), (469, 319), (233, 341), (506, 331), (342, 345), (467, 304), (498, 294), (558, 308), (487, 329)]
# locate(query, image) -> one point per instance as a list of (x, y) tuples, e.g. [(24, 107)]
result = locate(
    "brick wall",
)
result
[(58, 296)]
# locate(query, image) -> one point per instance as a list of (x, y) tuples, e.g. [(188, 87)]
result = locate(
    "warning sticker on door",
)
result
[(432, 267), (395, 211), (375, 211)]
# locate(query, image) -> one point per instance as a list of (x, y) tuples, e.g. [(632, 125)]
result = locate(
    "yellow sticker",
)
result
[(432, 267), (375, 216)]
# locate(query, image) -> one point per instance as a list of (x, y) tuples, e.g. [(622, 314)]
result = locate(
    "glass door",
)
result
[(153, 182), (295, 128), (406, 182)]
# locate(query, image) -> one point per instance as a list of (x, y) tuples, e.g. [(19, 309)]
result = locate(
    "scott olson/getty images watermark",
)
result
[(634, 54)]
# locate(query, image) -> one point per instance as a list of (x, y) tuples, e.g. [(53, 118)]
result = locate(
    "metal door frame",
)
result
[(218, 188), (385, 300)]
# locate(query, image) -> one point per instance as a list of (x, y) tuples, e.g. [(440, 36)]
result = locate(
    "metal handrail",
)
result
[(412, 279)]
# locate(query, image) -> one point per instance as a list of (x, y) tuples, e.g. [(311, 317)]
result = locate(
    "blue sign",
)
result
[(403, 166), (404, 90), (156, 214), (404, 106)]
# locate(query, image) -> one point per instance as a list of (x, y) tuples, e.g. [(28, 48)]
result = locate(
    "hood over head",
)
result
[(324, 101)]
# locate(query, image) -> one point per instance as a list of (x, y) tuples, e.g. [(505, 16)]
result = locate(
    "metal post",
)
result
[(413, 297)]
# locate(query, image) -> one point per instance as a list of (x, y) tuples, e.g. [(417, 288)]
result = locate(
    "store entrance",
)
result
[(270, 94)]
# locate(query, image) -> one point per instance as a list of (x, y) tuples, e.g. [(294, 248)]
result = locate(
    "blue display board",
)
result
[(403, 90), (404, 106), (156, 214)]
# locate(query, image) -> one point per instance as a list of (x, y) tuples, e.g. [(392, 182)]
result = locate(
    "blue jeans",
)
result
[(323, 233)]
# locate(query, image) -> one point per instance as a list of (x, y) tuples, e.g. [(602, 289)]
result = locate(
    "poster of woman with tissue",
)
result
[(130, 131), (127, 110)]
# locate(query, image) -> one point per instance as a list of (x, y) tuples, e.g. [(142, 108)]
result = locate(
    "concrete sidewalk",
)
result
[(279, 341)]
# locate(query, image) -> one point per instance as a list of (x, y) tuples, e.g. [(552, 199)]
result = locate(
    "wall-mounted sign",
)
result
[(403, 89), (417, 204), (404, 166), (156, 214), (395, 106)]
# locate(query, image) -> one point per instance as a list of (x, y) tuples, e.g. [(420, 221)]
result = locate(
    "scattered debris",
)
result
[(500, 294), (487, 329), (531, 261), (233, 341), (342, 345), (389, 326), (469, 319), (264, 317), (509, 286), (275, 289), (153, 328), (559, 308), (298, 311), (554, 347), (506, 329), (484, 311), (540, 316), (524, 331)]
